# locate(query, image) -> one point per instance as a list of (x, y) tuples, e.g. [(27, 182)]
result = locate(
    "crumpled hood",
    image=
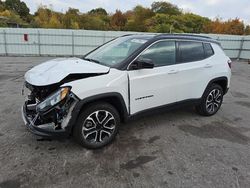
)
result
[(54, 71)]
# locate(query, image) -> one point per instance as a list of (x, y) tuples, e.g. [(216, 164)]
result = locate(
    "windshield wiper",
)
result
[(92, 60)]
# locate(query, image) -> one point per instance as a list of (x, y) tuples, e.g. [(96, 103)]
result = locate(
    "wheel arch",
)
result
[(112, 98), (222, 81)]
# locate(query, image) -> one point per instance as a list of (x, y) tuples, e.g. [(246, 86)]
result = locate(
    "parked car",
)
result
[(88, 97)]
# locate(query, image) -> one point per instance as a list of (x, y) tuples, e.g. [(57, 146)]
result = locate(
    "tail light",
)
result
[(229, 62)]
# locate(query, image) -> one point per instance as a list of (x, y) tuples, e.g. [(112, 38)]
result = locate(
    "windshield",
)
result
[(116, 51)]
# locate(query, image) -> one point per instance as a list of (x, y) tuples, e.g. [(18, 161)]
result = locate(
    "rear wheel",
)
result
[(97, 125), (211, 101)]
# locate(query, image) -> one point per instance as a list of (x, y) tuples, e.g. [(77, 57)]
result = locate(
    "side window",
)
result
[(161, 53), (208, 50), (190, 51)]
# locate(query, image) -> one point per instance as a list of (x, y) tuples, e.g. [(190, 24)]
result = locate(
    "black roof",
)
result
[(186, 36), (176, 36)]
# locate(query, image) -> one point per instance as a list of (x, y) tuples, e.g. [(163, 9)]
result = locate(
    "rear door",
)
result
[(194, 70), (154, 87)]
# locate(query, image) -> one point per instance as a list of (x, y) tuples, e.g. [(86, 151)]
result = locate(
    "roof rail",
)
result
[(183, 35)]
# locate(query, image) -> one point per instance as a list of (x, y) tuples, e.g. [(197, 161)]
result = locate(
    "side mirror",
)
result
[(142, 63)]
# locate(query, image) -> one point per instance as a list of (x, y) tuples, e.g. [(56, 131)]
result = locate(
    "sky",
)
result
[(224, 9)]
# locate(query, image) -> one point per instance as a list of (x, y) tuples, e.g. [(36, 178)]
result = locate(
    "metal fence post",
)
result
[(240, 49), (104, 37), (5, 43), (73, 44), (39, 42)]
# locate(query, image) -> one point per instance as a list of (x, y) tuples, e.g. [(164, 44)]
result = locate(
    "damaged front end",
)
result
[(47, 110)]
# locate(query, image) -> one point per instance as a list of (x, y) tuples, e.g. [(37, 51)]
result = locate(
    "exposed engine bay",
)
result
[(41, 92), (50, 116), (47, 110)]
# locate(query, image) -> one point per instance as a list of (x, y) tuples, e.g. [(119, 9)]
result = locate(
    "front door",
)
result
[(154, 87)]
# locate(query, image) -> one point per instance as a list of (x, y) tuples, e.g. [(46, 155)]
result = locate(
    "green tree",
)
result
[(42, 16), (19, 7), (47, 18), (98, 11), (2, 6), (247, 30), (162, 17), (137, 19), (193, 23), (92, 22), (10, 16), (160, 23), (55, 21), (118, 20), (71, 19), (163, 7)]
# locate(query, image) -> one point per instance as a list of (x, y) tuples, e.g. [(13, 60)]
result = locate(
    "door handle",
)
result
[(173, 71), (208, 66)]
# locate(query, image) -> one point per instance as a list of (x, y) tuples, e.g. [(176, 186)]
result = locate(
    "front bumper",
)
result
[(45, 130)]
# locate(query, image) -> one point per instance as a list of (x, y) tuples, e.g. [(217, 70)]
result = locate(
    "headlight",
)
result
[(53, 99)]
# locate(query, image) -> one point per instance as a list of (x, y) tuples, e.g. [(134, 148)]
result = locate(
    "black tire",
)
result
[(210, 104), (93, 119)]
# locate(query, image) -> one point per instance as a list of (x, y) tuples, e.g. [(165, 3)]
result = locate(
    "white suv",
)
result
[(88, 97)]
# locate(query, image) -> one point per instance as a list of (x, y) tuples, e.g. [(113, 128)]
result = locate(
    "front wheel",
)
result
[(211, 101), (97, 125)]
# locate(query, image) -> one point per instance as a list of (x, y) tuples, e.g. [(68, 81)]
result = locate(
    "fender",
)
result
[(120, 106), (216, 80)]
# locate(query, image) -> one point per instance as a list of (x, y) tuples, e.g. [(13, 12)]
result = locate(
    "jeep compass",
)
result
[(89, 97)]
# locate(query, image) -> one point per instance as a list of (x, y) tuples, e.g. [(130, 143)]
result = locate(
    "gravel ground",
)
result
[(171, 149)]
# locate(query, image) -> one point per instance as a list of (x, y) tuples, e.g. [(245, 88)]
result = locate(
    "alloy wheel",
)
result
[(98, 127), (213, 101)]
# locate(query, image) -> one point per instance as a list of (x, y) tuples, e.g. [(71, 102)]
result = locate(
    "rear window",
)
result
[(208, 50), (190, 51)]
